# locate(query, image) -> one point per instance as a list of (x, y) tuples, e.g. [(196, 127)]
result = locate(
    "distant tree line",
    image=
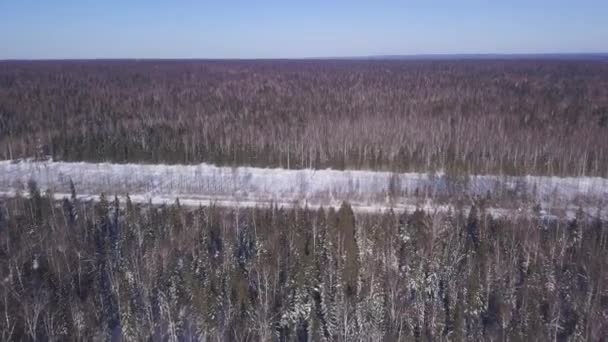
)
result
[(506, 117), (72, 270)]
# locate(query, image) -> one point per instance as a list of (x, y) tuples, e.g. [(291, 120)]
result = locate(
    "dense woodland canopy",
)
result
[(510, 117), (72, 270), (79, 270)]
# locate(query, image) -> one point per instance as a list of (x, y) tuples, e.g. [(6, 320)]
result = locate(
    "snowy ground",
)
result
[(248, 186)]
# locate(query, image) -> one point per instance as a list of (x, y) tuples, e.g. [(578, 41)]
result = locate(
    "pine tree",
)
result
[(320, 287), (72, 191), (472, 228), (69, 212), (35, 201), (350, 251), (111, 314)]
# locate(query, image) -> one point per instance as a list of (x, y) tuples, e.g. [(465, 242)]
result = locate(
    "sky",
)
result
[(65, 29)]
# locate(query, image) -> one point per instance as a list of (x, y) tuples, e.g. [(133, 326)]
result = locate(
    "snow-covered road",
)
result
[(369, 190)]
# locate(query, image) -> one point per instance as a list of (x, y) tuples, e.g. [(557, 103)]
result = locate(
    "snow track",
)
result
[(248, 186)]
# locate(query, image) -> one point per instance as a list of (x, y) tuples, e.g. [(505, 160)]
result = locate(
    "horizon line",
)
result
[(380, 57)]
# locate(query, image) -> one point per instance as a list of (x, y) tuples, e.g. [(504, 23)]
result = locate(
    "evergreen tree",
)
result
[(111, 315), (350, 251)]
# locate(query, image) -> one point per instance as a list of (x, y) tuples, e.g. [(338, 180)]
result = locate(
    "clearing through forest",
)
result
[(250, 186)]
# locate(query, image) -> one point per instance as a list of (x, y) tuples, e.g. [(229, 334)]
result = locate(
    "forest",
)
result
[(304, 200), (78, 270), (512, 117)]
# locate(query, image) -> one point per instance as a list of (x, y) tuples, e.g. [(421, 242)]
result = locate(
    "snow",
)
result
[(249, 186)]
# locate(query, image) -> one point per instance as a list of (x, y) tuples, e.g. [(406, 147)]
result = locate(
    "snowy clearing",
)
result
[(248, 186)]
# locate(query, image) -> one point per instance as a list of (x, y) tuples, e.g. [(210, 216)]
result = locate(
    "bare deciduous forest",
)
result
[(92, 271), (500, 117), (484, 258)]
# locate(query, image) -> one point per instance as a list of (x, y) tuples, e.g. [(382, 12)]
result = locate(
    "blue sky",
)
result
[(35, 29)]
